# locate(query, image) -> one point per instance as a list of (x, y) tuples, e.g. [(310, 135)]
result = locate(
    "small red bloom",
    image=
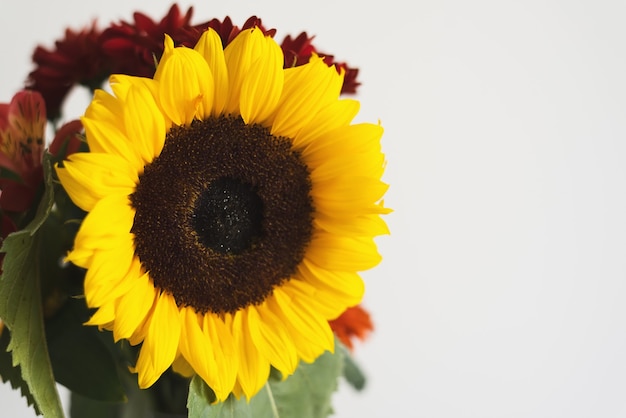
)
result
[(354, 323), (67, 140), (22, 124), (75, 59)]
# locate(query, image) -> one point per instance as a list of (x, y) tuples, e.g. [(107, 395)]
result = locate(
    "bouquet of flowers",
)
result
[(192, 243)]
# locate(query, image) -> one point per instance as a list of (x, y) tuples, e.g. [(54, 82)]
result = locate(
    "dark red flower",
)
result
[(354, 323), (75, 59), (134, 48), (225, 29)]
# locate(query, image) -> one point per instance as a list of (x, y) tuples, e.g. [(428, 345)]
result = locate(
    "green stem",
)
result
[(270, 395)]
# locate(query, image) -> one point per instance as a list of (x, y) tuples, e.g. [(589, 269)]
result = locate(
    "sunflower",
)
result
[(231, 204)]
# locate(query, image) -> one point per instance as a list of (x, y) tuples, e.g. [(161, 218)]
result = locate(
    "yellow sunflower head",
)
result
[(231, 204)]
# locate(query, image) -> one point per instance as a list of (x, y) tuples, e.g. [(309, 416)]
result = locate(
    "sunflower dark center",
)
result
[(228, 216), (223, 214)]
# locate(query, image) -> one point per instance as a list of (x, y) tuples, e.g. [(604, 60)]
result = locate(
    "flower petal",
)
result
[(210, 47), (271, 339), (308, 89), (104, 280), (241, 55), (311, 333), (161, 343), (184, 78), (263, 84), (133, 306), (225, 355), (335, 115), (254, 368), (90, 177), (144, 123), (334, 252), (346, 288)]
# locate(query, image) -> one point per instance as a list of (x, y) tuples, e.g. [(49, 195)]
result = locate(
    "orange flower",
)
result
[(354, 323)]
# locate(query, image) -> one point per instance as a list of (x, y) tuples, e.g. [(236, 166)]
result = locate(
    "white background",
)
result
[(502, 289)]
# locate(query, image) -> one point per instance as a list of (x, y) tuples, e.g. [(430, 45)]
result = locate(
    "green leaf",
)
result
[(20, 305), (201, 396), (8, 373), (139, 404), (80, 361), (305, 394), (351, 371), (7, 174)]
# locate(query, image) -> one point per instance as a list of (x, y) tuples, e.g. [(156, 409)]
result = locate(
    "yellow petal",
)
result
[(308, 89), (183, 78), (311, 334), (105, 278), (345, 287), (161, 343), (359, 225), (196, 347), (108, 224), (225, 355), (104, 107), (254, 368), (106, 138), (345, 140), (144, 123), (334, 252), (322, 301), (104, 316), (241, 54), (364, 162), (354, 195), (271, 339), (182, 366), (133, 306), (263, 84), (335, 115), (210, 47), (90, 177)]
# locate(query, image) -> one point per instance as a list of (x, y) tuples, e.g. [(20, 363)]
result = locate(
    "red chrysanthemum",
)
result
[(225, 29), (134, 48), (354, 323), (75, 59)]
